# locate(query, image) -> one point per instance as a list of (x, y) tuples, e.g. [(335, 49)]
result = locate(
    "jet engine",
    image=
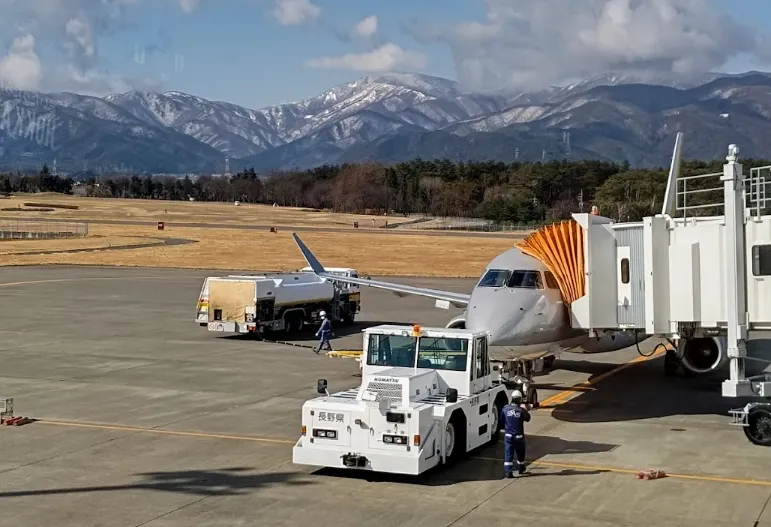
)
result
[(702, 355), (458, 322)]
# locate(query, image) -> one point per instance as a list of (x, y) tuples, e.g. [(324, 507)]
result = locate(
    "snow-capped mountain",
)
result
[(393, 117)]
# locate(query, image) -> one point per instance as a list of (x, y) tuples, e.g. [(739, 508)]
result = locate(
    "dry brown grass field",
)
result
[(182, 212), (246, 250)]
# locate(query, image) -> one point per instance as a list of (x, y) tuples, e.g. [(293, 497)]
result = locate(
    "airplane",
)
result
[(518, 302)]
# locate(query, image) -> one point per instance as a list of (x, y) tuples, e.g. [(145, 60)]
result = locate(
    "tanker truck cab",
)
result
[(427, 397)]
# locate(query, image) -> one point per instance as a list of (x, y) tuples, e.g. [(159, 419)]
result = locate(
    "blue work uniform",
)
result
[(514, 417), (324, 331)]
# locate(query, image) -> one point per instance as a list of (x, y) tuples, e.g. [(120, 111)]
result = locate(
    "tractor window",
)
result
[(443, 353), (391, 350), (551, 282)]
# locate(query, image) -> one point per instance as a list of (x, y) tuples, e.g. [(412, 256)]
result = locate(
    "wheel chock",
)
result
[(16, 421), (651, 474)]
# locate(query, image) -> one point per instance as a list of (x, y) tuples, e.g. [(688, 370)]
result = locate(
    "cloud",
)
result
[(366, 27), (295, 12), (531, 45), (20, 69), (388, 57), (80, 32), (188, 5), (67, 34)]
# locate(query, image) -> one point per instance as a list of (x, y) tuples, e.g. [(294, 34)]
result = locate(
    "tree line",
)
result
[(523, 193)]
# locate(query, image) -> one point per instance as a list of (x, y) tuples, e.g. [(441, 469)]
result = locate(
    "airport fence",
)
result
[(24, 229), (467, 225)]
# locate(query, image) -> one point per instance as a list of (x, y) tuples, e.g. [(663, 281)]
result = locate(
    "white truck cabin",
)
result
[(458, 356), (426, 398)]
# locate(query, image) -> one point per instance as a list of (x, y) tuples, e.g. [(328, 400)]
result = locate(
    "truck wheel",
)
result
[(532, 397), (758, 430), (495, 430), (293, 323), (455, 437), (450, 442)]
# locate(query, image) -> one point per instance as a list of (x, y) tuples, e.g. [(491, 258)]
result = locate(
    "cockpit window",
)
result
[(551, 282), (525, 280), (494, 278)]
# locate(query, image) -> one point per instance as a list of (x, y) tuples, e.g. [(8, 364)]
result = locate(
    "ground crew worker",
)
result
[(514, 416), (325, 331)]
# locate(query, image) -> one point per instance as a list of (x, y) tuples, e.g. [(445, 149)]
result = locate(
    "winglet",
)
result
[(308, 255), (670, 202)]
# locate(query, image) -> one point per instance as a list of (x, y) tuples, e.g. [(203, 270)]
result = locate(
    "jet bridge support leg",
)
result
[(736, 267), (755, 417)]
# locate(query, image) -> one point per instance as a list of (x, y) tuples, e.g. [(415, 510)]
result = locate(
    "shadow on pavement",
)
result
[(643, 392), (484, 464), (225, 482), (308, 335)]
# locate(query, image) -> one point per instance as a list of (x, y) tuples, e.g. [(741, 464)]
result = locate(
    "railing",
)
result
[(466, 225), (757, 196), (42, 228), (696, 194), (699, 197)]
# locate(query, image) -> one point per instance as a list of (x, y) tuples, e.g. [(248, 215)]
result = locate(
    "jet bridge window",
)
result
[(625, 270), (761, 260), (391, 350), (494, 278), (443, 353), (525, 279)]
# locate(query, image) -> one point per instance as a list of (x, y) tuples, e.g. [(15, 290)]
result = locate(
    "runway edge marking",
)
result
[(618, 470)]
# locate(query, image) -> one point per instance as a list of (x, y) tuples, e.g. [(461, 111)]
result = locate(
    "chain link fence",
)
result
[(465, 224), (24, 229)]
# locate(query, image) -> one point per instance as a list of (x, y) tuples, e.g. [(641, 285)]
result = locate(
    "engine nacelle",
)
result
[(458, 322), (702, 355)]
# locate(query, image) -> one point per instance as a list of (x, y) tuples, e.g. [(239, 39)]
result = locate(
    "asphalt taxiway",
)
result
[(145, 418)]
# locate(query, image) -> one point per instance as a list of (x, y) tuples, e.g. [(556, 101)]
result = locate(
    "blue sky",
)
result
[(235, 50), (248, 53)]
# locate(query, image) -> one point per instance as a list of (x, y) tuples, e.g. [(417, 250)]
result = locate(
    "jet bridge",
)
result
[(701, 281)]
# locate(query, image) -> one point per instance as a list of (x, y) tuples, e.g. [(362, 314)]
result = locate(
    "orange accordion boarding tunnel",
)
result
[(561, 248)]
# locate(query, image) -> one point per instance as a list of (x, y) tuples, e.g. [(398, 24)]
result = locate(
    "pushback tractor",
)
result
[(427, 397)]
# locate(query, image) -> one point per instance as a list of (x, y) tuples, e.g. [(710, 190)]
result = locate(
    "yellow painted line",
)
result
[(576, 389), (537, 463), (616, 470), (30, 282), (167, 432)]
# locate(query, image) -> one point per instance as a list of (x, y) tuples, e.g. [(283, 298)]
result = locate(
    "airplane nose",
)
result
[(485, 312)]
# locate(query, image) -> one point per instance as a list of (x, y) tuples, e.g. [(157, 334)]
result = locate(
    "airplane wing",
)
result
[(456, 299)]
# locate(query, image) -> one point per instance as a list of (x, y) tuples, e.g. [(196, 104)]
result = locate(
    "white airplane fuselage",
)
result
[(525, 314)]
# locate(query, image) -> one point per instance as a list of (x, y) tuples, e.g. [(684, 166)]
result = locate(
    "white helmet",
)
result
[(322, 314), (516, 395)]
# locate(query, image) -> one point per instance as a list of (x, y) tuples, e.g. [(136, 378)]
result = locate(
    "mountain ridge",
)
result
[(390, 118)]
